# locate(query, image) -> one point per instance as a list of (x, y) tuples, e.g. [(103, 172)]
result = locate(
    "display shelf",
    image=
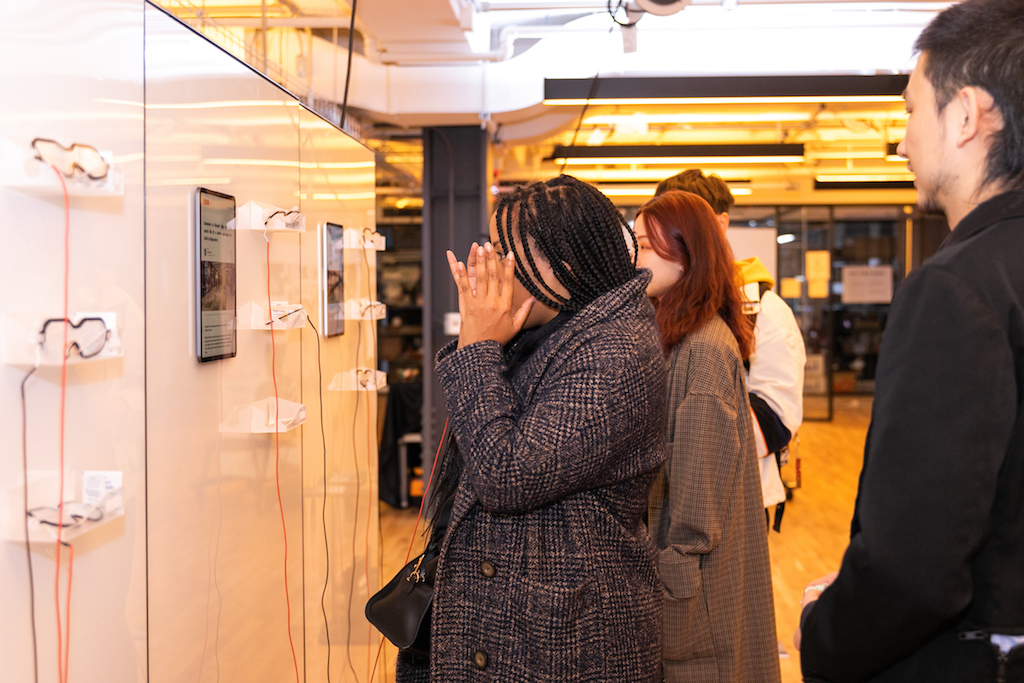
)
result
[(364, 309), (21, 170), (268, 218), (259, 417), (21, 343), (359, 379), (100, 501), (364, 238), (286, 316)]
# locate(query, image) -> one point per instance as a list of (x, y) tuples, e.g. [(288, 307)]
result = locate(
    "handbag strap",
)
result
[(423, 499)]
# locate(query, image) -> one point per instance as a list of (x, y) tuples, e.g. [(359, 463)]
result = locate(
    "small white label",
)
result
[(103, 490), (452, 324)]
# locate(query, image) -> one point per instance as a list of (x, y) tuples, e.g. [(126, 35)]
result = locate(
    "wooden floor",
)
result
[(815, 528)]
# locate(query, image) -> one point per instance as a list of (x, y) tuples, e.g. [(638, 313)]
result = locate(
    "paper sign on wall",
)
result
[(817, 289), (790, 288), (817, 265), (867, 284)]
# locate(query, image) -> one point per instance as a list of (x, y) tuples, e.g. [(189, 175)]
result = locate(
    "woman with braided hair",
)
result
[(555, 390)]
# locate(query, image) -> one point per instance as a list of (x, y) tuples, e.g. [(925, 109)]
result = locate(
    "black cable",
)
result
[(611, 12), (355, 515), (348, 69), (590, 96), (323, 510), (28, 548)]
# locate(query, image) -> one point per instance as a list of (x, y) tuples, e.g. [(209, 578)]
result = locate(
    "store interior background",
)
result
[(448, 104)]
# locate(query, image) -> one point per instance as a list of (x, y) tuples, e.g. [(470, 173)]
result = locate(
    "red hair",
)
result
[(682, 228)]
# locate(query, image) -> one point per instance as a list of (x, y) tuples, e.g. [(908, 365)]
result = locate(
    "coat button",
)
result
[(480, 659), (488, 569)]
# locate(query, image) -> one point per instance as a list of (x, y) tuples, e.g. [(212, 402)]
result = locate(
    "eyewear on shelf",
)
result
[(67, 160), (74, 514), (87, 337), (283, 315), (284, 215)]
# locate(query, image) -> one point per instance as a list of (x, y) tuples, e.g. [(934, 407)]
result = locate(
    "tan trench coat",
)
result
[(707, 519)]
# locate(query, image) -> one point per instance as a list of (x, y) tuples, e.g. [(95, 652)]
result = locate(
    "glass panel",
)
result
[(72, 72)]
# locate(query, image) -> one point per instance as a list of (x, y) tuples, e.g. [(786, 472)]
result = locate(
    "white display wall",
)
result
[(186, 580)]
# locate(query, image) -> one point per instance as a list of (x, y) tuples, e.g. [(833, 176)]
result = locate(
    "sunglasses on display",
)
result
[(282, 213), (87, 337), (83, 158), (74, 514)]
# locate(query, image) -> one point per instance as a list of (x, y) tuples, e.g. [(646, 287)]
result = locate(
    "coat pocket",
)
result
[(687, 628), (558, 631)]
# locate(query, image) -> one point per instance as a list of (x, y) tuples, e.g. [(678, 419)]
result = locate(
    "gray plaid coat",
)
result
[(547, 572), (707, 519)]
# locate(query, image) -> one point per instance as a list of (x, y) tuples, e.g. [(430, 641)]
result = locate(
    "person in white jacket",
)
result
[(775, 376)]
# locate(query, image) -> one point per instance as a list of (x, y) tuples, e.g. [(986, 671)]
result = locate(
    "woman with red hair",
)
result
[(706, 513)]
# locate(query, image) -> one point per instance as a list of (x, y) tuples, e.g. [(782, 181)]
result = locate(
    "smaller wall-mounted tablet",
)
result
[(332, 279)]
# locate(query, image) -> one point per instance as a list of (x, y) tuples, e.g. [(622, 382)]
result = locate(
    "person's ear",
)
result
[(975, 114), (723, 220)]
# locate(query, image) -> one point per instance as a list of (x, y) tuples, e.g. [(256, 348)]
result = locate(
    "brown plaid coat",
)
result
[(707, 519), (547, 572)]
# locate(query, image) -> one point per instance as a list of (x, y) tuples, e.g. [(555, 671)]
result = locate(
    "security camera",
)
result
[(662, 7)]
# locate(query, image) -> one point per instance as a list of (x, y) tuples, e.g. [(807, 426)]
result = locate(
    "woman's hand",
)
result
[(486, 309)]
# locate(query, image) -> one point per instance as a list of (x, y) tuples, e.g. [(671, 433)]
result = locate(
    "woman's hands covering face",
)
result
[(485, 300)]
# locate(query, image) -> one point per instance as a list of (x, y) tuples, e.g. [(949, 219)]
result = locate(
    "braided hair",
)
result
[(577, 230)]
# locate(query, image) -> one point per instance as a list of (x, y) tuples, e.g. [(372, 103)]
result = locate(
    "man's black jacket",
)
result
[(937, 544)]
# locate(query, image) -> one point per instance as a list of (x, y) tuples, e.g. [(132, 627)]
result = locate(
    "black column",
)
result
[(455, 214)]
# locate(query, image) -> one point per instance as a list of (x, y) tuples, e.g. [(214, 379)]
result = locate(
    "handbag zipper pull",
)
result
[(415, 576)]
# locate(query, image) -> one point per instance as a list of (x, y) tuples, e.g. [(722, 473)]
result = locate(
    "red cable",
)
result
[(61, 658), (67, 609), (277, 465), (412, 540)]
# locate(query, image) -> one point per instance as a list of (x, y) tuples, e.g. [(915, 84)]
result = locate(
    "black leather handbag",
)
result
[(401, 609)]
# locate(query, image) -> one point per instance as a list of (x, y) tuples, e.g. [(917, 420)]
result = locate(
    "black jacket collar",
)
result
[(1001, 207)]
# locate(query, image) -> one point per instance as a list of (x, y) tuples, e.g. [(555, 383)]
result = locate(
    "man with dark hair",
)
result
[(775, 369), (931, 587)]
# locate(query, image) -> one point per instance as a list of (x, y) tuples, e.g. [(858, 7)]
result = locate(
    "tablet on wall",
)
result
[(216, 335), (332, 268)]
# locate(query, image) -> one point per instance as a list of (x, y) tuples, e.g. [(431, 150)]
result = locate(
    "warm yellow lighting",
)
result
[(741, 191), (319, 196), (226, 104), (404, 158), (677, 161), (288, 163), (628, 191), (163, 182), (753, 117), (875, 178), (648, 101), (895, 158), (849, 154)]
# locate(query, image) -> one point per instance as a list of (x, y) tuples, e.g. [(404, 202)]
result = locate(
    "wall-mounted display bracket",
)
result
[(364, 238), (267, 217), (22, 342), (364, 309), (259, 417), (286, 316), (21, 170), (101, 501), (359, 379)]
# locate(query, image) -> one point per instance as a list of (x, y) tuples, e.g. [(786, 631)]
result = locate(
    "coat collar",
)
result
[(1001, 207)]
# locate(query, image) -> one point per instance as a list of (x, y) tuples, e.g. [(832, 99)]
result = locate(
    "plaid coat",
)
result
[(707, 519), (547, 572)]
